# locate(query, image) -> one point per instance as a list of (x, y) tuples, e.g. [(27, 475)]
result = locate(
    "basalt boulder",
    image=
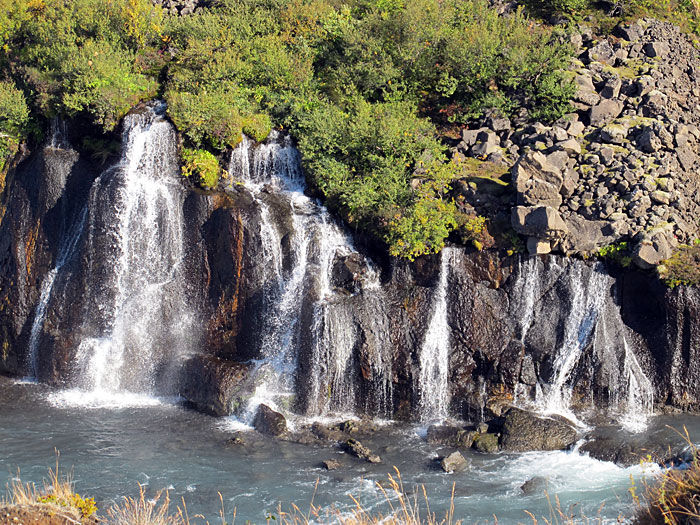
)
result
[(523, 431)]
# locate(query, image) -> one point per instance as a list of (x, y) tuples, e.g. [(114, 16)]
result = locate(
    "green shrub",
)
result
[(14, 113), (421, 229), (99, 80), (14, 121), (201, 166), (618, 252), (257, 126), (208, 118)]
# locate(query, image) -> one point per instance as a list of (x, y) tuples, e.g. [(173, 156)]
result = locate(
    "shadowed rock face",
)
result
[(507, 319)]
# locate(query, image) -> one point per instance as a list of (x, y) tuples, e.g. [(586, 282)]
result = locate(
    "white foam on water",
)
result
[(103, 400)]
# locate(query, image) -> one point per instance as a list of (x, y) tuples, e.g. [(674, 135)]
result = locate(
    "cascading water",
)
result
[(586, 303), (433, 389), (592, 320), (136, 321), (66, 252), (60, 157), (314, 243)]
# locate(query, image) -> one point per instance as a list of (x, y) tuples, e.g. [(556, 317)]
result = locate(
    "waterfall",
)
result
[(68, 246), (136, 322), (586, 304), (434, 354), (579, 294), (639, 402), (314, 241)]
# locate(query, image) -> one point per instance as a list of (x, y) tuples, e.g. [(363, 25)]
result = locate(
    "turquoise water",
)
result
[(161, 445)]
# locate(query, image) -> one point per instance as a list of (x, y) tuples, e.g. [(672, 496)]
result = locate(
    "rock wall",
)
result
[(505, 331)]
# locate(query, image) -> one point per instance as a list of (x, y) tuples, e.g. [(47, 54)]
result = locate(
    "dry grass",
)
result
[(56, 492), (404, 509), (561, 516), (674, 497), (144, 511)]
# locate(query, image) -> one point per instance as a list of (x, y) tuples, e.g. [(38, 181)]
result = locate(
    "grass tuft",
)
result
[(674, 497)]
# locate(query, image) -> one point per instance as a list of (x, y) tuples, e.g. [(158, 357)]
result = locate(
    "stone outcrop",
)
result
[(215, 386), (523, 431), (269, 422), (455, 462), (623, 163)]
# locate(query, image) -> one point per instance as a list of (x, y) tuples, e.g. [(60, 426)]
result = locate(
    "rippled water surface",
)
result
[(164, 446)]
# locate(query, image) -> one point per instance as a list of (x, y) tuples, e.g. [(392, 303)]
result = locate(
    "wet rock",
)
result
[(236, 439), (523, 431), (269, 422), (627, 452), (324, 433), (213, 385), (348, 272), (450, 436), (358, 450), (443, 435), (455, 462), (331, 464), (487, 443), (534, 486)]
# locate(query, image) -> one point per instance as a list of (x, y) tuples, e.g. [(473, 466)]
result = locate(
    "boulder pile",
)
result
[(623, 165)]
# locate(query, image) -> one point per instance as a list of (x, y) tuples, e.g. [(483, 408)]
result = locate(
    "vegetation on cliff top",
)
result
[(364, 84), (369, 87)]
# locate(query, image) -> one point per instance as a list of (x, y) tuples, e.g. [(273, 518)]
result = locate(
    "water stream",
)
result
[(166, 447), (433, 388), (136, 324), (592, 323), (313, 245)]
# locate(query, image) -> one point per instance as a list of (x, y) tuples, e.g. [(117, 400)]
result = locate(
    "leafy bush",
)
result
[(14, 121), (14, 113), (257, 126), (81, 56), (201, 166), (99, 81), (208, 118), (618, 252), (421, 229)]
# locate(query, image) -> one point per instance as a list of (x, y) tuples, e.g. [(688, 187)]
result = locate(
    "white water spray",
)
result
[(433, 387), (137, 322)]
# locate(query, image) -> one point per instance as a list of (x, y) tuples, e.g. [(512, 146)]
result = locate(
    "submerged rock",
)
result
[(331, 464), (523, 431), (455, 462), (534, 486), (269, 422), (358, 450)]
